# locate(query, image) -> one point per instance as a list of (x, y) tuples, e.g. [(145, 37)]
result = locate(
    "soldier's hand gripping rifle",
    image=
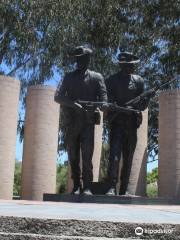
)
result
[(147, 95), (90, 106)]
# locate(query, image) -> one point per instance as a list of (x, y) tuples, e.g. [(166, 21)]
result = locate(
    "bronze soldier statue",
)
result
[(122, 87), (86, 85)]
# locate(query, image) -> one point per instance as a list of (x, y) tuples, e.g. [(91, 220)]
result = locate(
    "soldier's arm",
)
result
[(102, 91), (108, 83), (109, 115), (143, 103), (61, 94)]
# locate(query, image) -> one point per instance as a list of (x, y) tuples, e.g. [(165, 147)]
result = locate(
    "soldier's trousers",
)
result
[(122, 143), (81, 138)]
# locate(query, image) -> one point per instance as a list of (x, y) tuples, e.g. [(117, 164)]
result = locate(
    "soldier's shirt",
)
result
[(122, 89), (89, 86)]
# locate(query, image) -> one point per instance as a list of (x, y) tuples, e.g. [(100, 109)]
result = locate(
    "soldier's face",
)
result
[(83, 62), (127, 68)]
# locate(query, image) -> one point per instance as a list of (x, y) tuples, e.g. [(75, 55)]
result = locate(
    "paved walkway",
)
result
[(98, 212)]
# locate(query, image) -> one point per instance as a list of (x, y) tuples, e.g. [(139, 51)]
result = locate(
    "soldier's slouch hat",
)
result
[(127, 57), (81, 51)]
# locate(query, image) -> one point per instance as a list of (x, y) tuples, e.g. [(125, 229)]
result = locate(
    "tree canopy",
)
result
[(36, 37)]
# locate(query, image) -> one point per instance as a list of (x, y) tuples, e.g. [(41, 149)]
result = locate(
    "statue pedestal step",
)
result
[(109, 199)]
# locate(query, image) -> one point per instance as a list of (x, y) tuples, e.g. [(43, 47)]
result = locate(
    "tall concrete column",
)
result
[(96, 155), (169, 144), (137, 182), (9, 99), (97, 149), (40, 143)]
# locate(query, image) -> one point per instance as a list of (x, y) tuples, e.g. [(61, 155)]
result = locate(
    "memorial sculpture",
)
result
[(81, 84), (126, 89), (82, 93), (122, 87)]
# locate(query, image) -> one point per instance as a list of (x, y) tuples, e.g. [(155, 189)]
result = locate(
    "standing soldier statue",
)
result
[(122, 87), (81, 84)]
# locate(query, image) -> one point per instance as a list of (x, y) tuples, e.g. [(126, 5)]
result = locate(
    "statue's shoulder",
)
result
[(137, 78), (112, 78), (69, 75), (95, 75)]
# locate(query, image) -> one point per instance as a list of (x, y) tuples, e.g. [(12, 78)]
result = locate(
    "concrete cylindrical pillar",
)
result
[(96, 155), (9, 99), (97, 149), (137, 181), (169, 144), (40, 143)]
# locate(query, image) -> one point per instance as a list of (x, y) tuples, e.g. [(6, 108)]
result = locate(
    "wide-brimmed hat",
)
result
[(81, 51), (127, 57)]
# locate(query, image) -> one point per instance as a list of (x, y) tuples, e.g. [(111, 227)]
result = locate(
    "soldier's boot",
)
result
[(76, 191), (77, 188), (128, 194), (87, 190), (111, 191)]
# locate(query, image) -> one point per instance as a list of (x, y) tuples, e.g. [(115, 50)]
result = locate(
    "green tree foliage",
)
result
[(17, 179), (152, 176), (36, 37), (61, 179), (152, 190), (152, 179)]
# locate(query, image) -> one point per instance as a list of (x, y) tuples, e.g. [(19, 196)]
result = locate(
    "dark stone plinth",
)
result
[(99, 188), (103, 199)]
